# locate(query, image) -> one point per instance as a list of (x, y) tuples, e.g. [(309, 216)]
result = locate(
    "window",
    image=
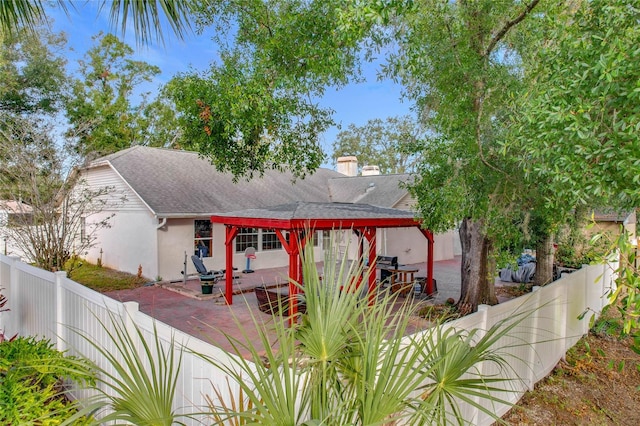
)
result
[(247, 237), (203, 234), (326, 239), (315, 239), (270, 240)]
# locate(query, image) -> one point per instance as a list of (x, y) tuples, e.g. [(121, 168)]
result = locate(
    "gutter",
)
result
[(161, 224)]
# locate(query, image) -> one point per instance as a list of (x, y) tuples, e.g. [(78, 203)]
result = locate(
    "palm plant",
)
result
[(349, 362), (146, 16), (138, 383)]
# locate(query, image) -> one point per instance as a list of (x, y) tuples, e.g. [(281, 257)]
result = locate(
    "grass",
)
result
[(100, 278)]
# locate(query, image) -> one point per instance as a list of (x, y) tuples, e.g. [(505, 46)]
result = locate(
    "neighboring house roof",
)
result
[(180, 183), (11, 206), (606, 215), (377, 190)]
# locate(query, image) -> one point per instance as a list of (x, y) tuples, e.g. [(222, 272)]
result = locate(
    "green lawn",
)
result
[(102, 279)]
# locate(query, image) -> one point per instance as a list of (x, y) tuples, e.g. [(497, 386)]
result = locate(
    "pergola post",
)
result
[(230, 235), (292, 247), (370, 235), (429, 236)]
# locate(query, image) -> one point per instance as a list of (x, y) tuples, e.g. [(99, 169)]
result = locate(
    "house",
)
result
[(608, 220), (162, 201), (13, 212)]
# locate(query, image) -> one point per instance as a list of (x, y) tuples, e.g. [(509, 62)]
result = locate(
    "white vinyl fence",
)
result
[(49, 305)]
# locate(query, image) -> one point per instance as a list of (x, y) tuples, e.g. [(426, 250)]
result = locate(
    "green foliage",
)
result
[(625, 295), (577, 252), (257, 107), (391, 144), (506, 259), (438, 313), (346, 362), (3, 302), (608, 325), (32, 72), (15, 14), (147, 16), (459, 61), (580, 119), (243, 125), (102, 115), (31, 382), (150, 17)]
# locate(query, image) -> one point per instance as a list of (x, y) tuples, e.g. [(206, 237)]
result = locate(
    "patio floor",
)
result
[(207, 317)]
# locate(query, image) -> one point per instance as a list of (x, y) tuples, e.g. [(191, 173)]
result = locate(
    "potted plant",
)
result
[(207, 287)]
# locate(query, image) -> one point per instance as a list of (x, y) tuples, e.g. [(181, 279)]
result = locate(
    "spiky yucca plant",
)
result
[(349, 362)]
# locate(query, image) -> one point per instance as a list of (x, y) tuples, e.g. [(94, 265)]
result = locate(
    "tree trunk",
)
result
[(478, 267), (544, 261)]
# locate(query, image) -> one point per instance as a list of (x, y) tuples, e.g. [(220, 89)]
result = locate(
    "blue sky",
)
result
[(356, 103)]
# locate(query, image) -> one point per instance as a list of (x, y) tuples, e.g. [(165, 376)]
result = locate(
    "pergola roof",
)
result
[(301, 215)]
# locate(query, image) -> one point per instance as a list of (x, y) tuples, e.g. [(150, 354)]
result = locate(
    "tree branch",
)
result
[(508, 25)]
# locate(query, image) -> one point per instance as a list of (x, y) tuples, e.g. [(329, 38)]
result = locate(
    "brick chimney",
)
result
[(348, 165)]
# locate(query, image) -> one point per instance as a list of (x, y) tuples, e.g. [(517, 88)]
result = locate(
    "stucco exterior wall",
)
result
[(408, 244), (411, 246), (177, 237), (129, 242)]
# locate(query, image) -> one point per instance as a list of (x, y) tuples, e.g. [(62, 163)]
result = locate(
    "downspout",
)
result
[(161, 224)]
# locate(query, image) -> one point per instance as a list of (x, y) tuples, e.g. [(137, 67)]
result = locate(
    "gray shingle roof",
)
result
[(310, 210), (377, 190), (180, 183)]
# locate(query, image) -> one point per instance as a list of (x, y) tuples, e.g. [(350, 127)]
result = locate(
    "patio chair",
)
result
[(211, 275), (205, 275)]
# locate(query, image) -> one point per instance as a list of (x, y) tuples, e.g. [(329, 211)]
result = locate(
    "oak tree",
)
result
[(102, 109), (388, 144)]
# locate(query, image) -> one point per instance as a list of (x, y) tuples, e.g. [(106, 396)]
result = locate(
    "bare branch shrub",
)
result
[(51, 202)]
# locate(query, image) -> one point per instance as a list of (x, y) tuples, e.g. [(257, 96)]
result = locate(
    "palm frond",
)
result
[(148, 17), (20, 13), (140, 376), (351, 362)]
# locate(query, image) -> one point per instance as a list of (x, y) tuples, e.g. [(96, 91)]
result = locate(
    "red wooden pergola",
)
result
[(299, 218)]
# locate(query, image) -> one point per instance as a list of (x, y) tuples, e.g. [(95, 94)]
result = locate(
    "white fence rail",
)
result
[(51, 306)]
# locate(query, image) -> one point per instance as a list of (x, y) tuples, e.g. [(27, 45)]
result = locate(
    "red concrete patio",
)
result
[(209, 318)]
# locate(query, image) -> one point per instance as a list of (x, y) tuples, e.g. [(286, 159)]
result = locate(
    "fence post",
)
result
[(59, 304), (482, 326), (532, 376), (13, 297)]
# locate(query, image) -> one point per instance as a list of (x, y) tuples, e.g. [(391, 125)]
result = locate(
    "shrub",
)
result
[(31, 382)]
